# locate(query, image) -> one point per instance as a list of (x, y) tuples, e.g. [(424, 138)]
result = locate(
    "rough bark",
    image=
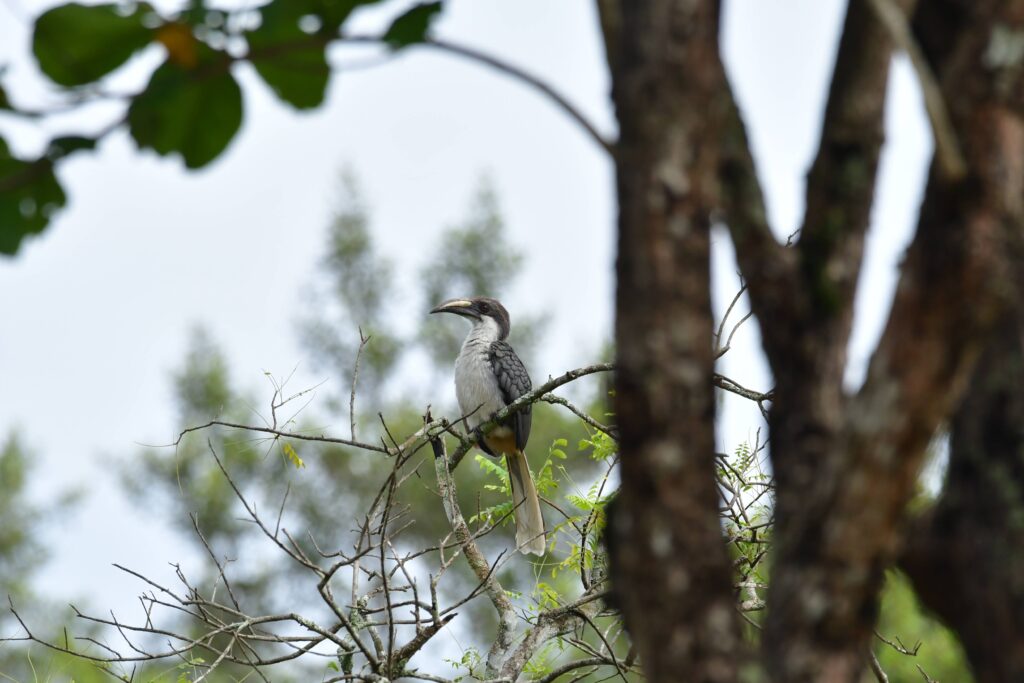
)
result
[(835, 541), (838, 531), (669, 561), (966, 558)]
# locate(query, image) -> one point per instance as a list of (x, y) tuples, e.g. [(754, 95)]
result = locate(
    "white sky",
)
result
[(98, 311)]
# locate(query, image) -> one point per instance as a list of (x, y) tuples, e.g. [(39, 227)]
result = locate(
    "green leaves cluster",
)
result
[(192, 105), (411, 27), (29, 196), (496, 471), (189, 113), (80, 44), (582, 531), (471, 661)]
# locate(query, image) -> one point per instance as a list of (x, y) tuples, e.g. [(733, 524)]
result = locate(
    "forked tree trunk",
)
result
[(846, 465)]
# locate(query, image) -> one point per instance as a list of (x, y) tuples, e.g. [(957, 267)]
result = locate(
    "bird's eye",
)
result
[(484, 307)]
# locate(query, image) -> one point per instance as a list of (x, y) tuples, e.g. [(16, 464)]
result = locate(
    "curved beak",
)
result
[(463, 307)]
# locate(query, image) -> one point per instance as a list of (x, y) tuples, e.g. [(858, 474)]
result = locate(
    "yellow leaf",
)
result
[(180, 43), (292, 456)]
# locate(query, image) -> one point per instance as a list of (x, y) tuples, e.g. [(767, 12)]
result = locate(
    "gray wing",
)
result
[(513, 381)]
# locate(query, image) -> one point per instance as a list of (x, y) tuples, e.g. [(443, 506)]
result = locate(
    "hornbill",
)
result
[(489, 376)]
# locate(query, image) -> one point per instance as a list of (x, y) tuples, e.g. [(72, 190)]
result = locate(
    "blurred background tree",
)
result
[(334, 485), (353, 300), (24, 549), (21, 545)]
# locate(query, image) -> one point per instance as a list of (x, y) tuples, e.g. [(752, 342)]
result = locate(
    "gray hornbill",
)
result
[(489, 376)]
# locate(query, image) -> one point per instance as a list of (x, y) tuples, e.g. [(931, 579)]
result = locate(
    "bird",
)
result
[(489, 376)]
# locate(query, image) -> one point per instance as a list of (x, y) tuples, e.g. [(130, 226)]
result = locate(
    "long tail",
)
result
[(529, 521)]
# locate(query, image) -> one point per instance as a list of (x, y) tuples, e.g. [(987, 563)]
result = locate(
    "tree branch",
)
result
[(529, 397), (477, 562), (501, 66)]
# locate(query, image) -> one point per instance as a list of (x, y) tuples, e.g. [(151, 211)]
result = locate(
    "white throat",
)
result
[(486, 329)]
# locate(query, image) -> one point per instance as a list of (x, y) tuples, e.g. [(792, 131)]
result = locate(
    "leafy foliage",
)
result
[(192, 105), (29, 196), (194, 110), (293, 66), (412, 26), (471, 662), (79, 44)]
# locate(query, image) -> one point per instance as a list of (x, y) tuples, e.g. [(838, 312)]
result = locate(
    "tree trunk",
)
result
[(670, 567), (966, 558)]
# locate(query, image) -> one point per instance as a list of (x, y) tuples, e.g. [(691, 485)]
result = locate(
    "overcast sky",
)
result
[(98, 311)]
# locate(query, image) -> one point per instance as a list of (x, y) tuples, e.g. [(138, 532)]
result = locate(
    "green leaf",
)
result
[(29, 196), (290, 60), (332, 13), (194, 112), (69, 144), (78, 44), (412, 27)]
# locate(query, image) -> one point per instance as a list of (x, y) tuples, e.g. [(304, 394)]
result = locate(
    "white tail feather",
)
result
[(529, 520)]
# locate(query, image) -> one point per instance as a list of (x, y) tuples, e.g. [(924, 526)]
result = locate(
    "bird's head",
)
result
[(479, 310)]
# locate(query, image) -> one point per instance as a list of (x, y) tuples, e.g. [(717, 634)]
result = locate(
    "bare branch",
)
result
[(572, 666), (558, 400), (876, 668), (363, 340), (515, 72), (899, 646), (529, 397), (476, 560)]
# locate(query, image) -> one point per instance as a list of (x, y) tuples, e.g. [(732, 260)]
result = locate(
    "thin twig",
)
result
[(355, 381), (509, 70), (876, 668), (558, 400)]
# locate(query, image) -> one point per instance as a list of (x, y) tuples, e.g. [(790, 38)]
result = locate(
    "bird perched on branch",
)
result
[(489, 376)]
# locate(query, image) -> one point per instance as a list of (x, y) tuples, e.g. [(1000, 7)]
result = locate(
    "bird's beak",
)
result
[(463, 307)]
